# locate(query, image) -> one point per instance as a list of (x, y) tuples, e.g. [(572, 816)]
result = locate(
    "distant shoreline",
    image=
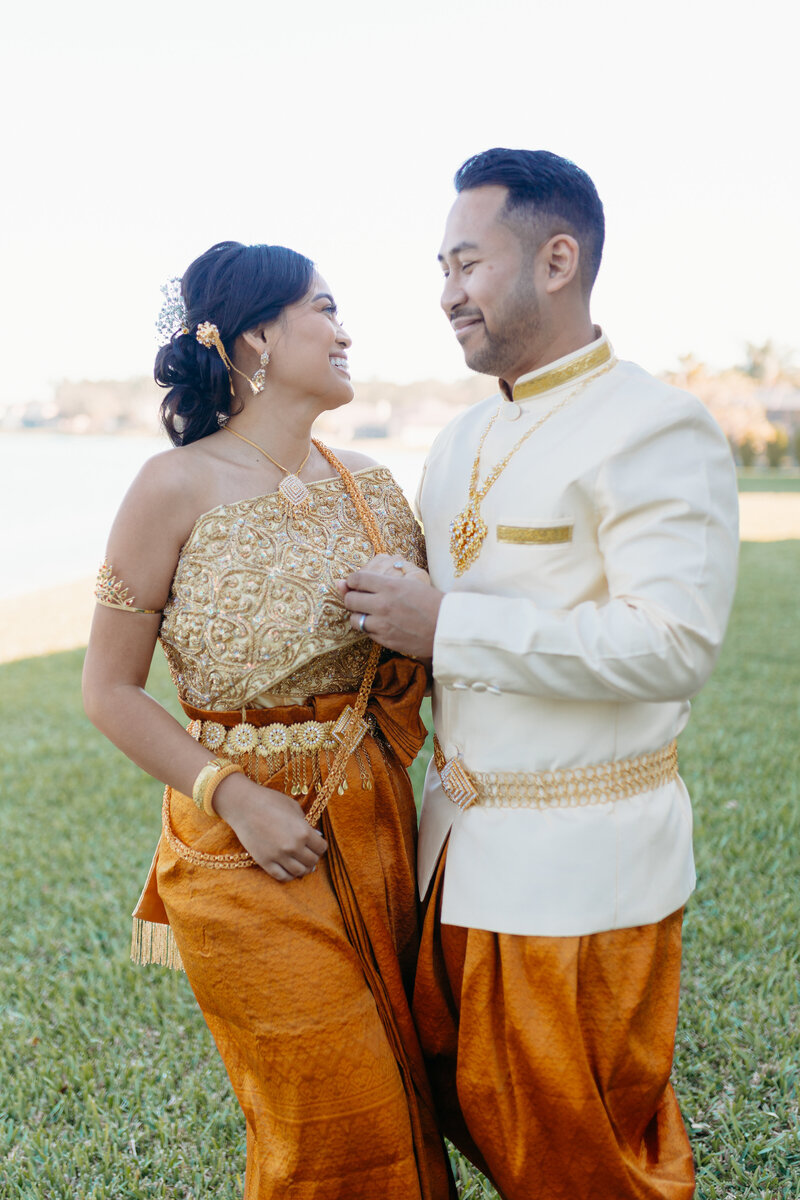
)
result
[(58, 618)]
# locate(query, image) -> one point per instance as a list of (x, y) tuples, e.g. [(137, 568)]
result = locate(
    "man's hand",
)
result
[(395, 603)]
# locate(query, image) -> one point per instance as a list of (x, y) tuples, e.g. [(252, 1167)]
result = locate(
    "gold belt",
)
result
[(295, 748), (573, 787)]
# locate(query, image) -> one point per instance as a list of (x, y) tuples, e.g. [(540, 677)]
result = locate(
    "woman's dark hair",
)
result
[(546, 188), (236, 288)]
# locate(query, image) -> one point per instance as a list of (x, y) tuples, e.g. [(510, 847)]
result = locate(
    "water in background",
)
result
[(59, 494)]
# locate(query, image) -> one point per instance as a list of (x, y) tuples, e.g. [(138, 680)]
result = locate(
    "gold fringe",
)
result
[(154, 943)]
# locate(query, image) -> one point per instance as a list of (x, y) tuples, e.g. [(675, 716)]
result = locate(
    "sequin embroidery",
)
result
[(253, 609)]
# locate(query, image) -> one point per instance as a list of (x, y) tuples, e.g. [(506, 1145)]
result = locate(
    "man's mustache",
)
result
[(465, 314)]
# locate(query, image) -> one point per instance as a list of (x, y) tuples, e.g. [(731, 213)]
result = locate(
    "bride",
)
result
[(283, 882)]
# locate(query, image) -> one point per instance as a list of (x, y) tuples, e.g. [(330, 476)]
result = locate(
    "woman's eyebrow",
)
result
[(323, 296)]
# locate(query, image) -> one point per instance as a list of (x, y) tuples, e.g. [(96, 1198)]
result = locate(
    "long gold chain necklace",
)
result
[(291, 488), (468, 530)]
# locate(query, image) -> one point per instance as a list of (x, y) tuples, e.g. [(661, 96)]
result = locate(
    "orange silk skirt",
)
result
[(306, 985), (550, 1057)]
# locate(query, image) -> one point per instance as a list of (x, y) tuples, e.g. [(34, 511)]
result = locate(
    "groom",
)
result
[(582, 531)]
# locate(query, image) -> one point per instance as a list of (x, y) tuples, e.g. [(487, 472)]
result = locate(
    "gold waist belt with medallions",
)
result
[(298, 750), (573, 787)]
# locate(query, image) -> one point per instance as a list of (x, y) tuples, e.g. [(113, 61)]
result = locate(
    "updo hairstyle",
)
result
[(236, 288)]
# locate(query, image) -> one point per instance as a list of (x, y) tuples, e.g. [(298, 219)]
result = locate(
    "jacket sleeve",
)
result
[(668, 536)]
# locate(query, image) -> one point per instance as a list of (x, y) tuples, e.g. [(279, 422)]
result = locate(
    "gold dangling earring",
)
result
[(259, 380)]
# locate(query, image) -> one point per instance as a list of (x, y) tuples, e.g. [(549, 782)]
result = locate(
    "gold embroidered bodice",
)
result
[(253, 616)]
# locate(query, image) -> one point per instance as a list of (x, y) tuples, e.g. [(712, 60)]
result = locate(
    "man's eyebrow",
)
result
[(458, 249)]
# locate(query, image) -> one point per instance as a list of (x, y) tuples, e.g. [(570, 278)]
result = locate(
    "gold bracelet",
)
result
[(213, 784), (209, 779), (205, 773)]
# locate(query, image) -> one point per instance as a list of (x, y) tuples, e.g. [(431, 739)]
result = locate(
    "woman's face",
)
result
[(308, 349)]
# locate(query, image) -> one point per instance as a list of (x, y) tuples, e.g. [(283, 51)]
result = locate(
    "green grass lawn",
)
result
[(111, 1086), (762, 479)]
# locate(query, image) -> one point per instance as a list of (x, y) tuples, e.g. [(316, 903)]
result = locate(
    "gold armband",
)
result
[(112, 593), (209, 779)]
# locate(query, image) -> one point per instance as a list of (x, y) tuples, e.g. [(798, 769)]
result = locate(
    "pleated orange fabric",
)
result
[(550, 1057), (305, 985)]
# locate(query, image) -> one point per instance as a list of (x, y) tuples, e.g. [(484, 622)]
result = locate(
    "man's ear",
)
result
[(559, 261)]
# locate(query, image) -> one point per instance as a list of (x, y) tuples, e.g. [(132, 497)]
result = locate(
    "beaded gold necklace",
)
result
[(468, 529)]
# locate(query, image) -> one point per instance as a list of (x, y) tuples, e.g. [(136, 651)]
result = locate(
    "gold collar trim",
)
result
[(548, 379)]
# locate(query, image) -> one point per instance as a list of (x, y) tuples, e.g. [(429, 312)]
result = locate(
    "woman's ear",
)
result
[(256, 339)]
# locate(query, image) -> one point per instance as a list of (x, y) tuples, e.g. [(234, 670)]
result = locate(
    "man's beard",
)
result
[(519, 328)]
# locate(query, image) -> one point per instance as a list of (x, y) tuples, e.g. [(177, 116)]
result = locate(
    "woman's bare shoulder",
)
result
[(354, 460), (165, 493), (173, 473)]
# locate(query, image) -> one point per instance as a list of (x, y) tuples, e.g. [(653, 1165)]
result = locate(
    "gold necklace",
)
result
[(292, 489), (468, 529)]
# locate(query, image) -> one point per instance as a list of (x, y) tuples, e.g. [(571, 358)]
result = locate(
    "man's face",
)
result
[(489, 294)]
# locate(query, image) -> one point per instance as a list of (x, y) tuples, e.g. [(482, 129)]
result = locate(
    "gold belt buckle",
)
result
[(346, 725), (457, 784)]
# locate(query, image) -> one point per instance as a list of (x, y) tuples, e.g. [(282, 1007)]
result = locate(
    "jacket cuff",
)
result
[(463, 656)]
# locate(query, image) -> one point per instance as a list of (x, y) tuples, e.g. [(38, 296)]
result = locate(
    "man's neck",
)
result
[(567, 341)]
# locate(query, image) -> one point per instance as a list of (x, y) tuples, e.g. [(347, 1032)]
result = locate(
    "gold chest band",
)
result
[(573, 787), (523, 535)]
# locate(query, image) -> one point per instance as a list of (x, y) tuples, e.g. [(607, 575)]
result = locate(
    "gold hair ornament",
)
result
[(207, 335)]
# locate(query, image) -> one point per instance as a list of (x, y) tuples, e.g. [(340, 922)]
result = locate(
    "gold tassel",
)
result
[(154, 944)]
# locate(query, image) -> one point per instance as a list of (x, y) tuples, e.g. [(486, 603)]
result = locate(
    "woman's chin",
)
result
[(340, 395)]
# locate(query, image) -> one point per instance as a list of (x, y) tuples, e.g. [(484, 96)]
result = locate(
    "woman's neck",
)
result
[(285, 435)]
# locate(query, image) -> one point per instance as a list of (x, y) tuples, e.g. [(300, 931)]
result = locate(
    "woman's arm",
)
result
[(154, 520)]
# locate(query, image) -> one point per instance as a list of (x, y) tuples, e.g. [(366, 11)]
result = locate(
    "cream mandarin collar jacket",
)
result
[(595, 610)]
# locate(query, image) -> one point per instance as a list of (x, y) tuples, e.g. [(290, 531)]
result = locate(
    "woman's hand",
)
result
[(270, 826)]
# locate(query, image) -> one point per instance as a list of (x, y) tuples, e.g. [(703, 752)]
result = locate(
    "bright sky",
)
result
[(136, 136)]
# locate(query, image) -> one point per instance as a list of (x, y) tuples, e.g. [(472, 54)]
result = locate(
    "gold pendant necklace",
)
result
[(468, 529), (292, 489)]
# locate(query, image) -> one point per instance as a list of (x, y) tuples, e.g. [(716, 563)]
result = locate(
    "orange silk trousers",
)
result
[(306, 985), (550, 1057)]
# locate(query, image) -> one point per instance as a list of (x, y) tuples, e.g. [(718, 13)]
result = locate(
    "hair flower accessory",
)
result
[(172, 316), (207, 334)]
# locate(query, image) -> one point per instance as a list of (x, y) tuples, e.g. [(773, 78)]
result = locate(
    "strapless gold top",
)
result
[(253, 616)]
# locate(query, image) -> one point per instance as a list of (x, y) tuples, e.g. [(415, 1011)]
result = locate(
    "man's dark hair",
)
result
[(550, 190)]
